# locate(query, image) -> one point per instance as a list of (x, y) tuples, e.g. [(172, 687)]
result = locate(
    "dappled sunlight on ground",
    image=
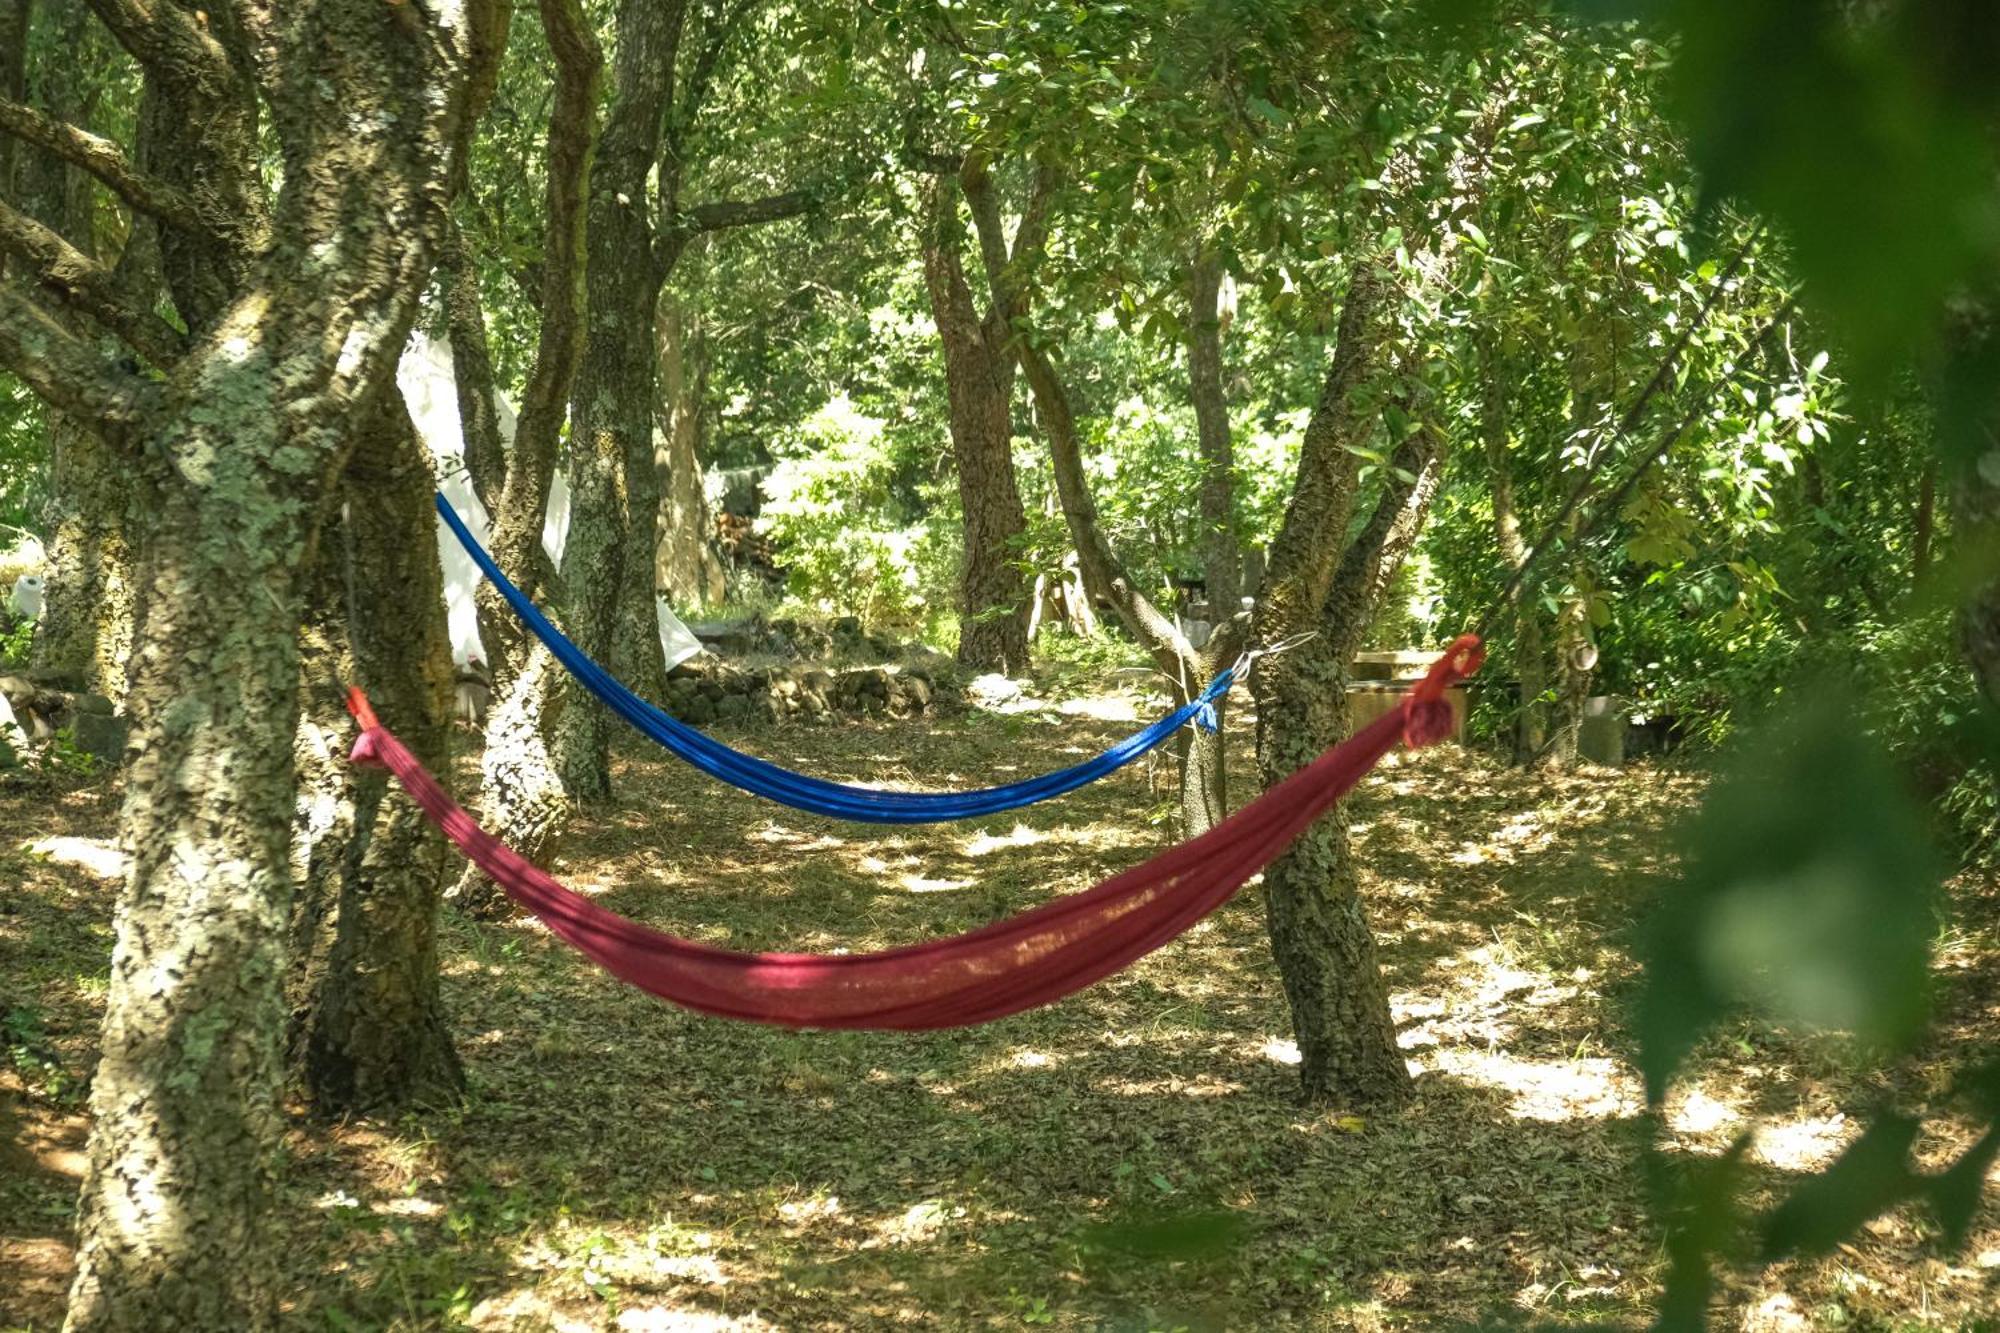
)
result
[(623, 1165)]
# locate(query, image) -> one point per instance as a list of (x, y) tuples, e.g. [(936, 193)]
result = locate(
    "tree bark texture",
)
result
[(472, 370), (1319, 931), (521, 796), (688, 569), (611, 410), (85, 633), (368, 1031), (240, 448), (1222, 552), (979, 381)]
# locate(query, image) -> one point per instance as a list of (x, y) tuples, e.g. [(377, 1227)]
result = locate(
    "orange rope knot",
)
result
[(357, 704)]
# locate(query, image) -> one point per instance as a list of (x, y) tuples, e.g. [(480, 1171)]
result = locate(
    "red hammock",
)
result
[(1032, 959)]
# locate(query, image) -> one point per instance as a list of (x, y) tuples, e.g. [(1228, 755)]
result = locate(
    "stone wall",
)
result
[(708, 689)]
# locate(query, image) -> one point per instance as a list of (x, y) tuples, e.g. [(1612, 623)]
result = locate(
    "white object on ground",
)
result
[(26, 599), (10, 729), (430, 389)]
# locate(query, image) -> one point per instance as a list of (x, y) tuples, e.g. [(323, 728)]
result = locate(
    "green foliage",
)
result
[(16, 641), (856, 539), (24, 1038), (1808, 896), (23, 456)]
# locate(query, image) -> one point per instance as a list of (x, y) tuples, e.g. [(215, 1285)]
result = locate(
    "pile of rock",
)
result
[(707, 689), (42, 706)]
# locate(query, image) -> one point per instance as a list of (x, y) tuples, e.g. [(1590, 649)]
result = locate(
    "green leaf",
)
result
[(1268, 111), (1807, 896)]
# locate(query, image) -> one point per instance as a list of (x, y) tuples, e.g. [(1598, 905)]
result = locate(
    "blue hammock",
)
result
[(820, 797)]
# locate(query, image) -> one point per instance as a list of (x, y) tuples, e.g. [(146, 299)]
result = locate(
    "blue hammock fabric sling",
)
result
[(816, 795)]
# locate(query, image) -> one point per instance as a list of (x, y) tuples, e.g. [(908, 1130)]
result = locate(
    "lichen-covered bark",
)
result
[(521, 797), (519, 784), (611, 410), (979, 380), (85, 633), (296, 337), (1319, 930), (1318, 924), (368, 1030)]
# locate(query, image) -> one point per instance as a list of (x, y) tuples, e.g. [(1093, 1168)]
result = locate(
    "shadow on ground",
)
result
[(620, 1164)]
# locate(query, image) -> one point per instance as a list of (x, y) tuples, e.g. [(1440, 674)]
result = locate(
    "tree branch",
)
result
[(103, 159), (722, 214), (1377, 552), (70, 375), (976, 180), (1103, 574), (517, 525), (165, 37), (1302, 555), (1031, 237), (88, 286)]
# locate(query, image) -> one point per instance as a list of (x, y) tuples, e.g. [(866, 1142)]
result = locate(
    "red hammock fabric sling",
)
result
[(1032, 959)]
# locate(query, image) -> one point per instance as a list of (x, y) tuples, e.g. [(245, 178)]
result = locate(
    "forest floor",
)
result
[(623, 1165)]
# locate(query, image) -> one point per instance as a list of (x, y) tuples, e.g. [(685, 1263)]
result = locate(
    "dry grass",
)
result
[(623, 1165)]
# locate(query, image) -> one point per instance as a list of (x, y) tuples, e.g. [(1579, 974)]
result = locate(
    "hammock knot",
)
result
[(1205, 718), (1427, 713), (367, 746)]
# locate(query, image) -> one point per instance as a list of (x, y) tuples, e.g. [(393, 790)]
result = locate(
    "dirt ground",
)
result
[(623, 1165)]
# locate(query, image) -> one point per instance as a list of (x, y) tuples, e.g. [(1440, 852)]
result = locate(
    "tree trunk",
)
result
[(239, 448), (637, 660), (611, 404), (688, 571), (1576, 661), (368, 1031), (1575, 655), (472, 371), (1530, 653), (185, 1125), (518, 775), (979, 380), (1319, 929), (1204, 775), (1222, 553), (521, 796), (85, 632), (1319, 932)]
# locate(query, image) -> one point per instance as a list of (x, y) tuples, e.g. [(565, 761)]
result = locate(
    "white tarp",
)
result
[(425, 377), (10, 729)]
